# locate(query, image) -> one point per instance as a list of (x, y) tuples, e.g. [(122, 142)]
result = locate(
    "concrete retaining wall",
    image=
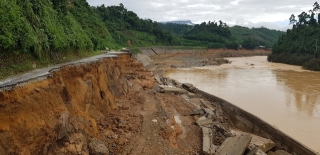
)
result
[(250, 123)]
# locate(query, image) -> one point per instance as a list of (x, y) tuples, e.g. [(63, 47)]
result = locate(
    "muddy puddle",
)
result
[(285, 96)]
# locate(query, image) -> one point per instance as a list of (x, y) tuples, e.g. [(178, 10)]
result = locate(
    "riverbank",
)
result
[(159, 59), (165, 61), (110, 105), (285, 96)]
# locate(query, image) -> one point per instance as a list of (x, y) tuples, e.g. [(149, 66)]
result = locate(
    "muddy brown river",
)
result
[(285, 96)]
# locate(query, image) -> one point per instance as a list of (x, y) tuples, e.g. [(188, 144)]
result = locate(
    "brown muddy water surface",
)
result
[(285, 96)]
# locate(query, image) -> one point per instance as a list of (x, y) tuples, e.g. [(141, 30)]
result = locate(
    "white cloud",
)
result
[(271, 14), (236, 2)]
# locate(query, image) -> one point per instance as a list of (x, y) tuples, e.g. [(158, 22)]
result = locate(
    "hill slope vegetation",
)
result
[(300, 46), (262, 36)]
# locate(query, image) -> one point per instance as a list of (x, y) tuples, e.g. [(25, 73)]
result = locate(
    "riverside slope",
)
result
[(96, 106), (106, 106)]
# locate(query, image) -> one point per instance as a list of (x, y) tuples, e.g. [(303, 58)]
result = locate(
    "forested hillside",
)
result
[(262, 36), (40, 27), (125, 25), (209, 34), (219, 35), (300, 46)]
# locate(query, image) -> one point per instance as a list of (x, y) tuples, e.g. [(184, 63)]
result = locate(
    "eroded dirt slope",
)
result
[(105, 107)]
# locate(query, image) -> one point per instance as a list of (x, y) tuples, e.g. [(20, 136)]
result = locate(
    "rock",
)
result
[(256, 150), (234, 145), (209, 112), (226, 132), (195, 112), (177, 83), (253, 151), (191, 95), (171, 89), (157, 78), (207, 147), (202, 121), (206, 105), (97, 147), (189, 87), (262, 143)]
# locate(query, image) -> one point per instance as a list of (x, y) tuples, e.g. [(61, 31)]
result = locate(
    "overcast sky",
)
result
[(272, 14)]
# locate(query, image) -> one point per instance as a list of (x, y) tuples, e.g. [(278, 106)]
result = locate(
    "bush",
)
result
[(313, 64)]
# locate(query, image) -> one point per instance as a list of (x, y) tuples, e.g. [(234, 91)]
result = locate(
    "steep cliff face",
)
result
[(47, 116)]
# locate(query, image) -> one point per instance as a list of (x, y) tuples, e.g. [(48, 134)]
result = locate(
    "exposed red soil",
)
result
[(109, 104)]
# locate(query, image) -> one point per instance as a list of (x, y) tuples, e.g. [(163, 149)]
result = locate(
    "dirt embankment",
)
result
[(105, 107)]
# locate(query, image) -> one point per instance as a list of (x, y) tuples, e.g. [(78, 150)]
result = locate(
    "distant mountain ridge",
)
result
[(183, 22)]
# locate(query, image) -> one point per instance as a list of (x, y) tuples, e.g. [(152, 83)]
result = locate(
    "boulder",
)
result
[(234, 145), (207, 147), (262, 143)]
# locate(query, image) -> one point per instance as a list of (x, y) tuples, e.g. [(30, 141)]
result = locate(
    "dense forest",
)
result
[(262, 36), (125, 25), (300, 45), (209, 34), (40, 27)]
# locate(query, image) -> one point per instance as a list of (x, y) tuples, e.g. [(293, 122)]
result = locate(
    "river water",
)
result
[(285, 96)]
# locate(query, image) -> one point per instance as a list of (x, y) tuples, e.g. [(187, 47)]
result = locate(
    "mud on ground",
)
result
[(159, 59)]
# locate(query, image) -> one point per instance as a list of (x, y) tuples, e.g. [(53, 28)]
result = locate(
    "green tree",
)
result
[(249, 43), (292, 19)]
